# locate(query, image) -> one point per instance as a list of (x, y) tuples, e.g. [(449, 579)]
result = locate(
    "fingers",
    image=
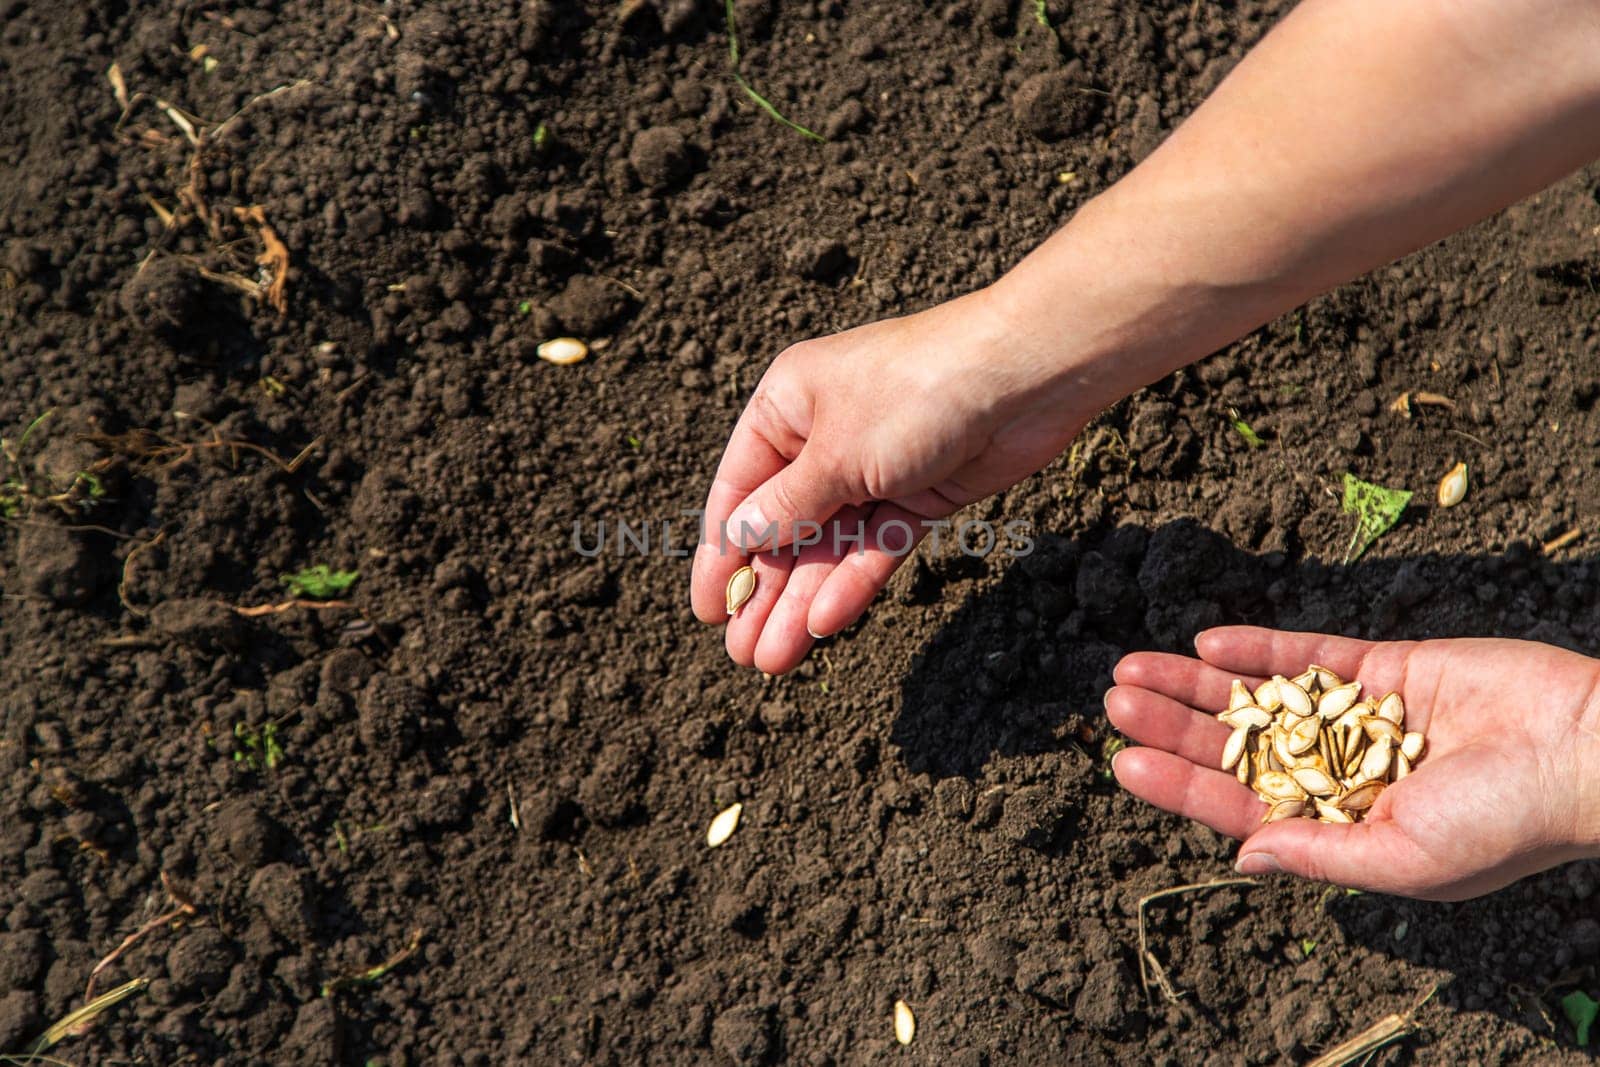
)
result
[(1161, 722), (785, 639), (1175, 784), (1261, 652), (807, 491), (744, 630), (1374, 855), (750, 459), (888, 538), (1182, 678)]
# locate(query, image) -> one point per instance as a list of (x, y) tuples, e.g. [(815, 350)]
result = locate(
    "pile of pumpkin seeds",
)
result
[(1311, 746)]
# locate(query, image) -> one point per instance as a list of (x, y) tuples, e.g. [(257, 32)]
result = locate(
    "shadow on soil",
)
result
[(1020, 669)]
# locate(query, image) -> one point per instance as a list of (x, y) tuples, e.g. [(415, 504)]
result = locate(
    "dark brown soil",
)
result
[(515, 750)]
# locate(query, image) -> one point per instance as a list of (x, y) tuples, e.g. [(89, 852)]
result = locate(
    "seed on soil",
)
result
[(562, 351), (1453, 486), (1311, 747), (905, 1024), (723, 826), (741, 587)]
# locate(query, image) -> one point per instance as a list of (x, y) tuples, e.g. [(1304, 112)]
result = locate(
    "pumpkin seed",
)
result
[(1251, 716), (1333, 813), (1306, 680), (1276, 785), (1233, 750), (1293, 697), (1361, 797), (1411, 746), (1325, 678), (1375, 728), (1338, 700), (905, 1024), (1266, 695), (1285, 809), (1402, 766), (741, 587), (1375, 764), (562, 351), (1314, 781), (1392, 708), (1453, 486), (1303, 738), (723, 825), (1240, 697)]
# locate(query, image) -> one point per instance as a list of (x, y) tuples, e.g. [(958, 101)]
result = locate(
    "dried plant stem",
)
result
[(1388, 1029), (1150, 969)]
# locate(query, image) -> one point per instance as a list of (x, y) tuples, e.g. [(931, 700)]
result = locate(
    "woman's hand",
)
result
[(1508, 784), (897, 422)]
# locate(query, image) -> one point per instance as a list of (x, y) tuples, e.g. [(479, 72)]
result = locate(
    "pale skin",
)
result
[(1354, 133)]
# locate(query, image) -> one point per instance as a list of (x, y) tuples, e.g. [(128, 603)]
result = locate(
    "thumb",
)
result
[(809, 490), (1368, 855)]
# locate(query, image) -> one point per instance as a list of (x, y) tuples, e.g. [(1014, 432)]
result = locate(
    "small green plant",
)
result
[(762, 102), (320, 582), (1307, 947), (1376, 508), (542, 138), (1581, 1010), (18, 492), (525, 307), (634, 443), (257, 747), (1040, 15), (1244, 429)]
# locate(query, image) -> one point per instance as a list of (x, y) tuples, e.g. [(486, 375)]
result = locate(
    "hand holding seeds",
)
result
[(1502, 787), (883, 426)]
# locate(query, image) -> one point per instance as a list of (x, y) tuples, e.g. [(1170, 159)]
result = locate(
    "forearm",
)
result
[(1356, 132)]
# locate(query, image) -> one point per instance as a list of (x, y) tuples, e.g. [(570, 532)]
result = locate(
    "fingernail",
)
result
[(748, 528), (1258, 863), (1105, 701), (814, 635)]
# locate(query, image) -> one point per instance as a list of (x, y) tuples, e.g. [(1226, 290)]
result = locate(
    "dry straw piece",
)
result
[(1311, 747), (905, 1024), (723, 826), (563, 351), (741, 587)]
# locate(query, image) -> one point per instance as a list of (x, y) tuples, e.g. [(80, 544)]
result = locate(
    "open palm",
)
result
[(1501, 792)]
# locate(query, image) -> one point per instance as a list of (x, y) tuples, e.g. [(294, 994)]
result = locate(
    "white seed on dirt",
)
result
[(1338, 700), (1361, 797), (1314, 781), (562, 351), (905, 1024), (1285, 809), (1251, 716), (1303, 738), (741, 587), (1411, 746), (1392, 708), (1240, 697), (1375, 764), (1233, 750), (1294, 698), (1453, 486), (723, 825)]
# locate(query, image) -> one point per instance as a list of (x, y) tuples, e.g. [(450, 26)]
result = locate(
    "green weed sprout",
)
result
[(762, 102), (260, 747), (320, 582), (1581, 1010)]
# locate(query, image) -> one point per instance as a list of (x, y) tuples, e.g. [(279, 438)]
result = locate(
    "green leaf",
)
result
[(320, 582), (1376, 508), (1040, 15), (1581, 1010), (1307, 946), (1244, 430)]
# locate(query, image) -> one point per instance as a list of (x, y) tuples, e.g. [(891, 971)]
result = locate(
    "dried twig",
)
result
[(287, 605), (1556, 544), (1388, 1029), (127, 563), (274, 256), (182, 909), (1150, 968)]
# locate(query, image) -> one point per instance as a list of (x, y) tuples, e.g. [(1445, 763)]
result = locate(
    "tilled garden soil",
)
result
[(461, 819)]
